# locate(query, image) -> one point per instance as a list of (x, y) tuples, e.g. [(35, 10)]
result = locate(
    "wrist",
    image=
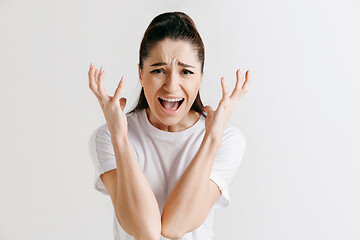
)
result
[(119, 139), (213, 140)]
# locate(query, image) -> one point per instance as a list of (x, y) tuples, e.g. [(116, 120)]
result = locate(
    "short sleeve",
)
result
[(227, 162), (102, 154)]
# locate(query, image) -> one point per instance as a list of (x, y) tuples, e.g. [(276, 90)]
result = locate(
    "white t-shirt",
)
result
[(163, 157)]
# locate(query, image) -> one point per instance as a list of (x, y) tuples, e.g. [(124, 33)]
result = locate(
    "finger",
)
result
[(119, 89), (238, 92), (248, 81), (122, 103), (208, 109), (96, 74), (240, 79), (92, 82), (101, 89), (225, 90)]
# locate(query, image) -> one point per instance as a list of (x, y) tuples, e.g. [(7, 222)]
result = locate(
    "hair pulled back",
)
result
[(176, 26)]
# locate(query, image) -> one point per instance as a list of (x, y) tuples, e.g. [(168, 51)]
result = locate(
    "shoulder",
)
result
[(101, 132), (233, 142), (100, 143), (232, 134)]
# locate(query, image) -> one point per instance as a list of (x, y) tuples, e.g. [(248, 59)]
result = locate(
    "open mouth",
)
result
[(171, 105)]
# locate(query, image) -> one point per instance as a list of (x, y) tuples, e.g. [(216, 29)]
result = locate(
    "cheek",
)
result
[(192, 91), (150, 88)]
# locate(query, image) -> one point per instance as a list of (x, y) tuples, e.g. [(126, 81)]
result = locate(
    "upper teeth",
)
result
[(171, 99)]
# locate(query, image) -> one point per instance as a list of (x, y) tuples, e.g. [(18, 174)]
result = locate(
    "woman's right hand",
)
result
[(112, 107)]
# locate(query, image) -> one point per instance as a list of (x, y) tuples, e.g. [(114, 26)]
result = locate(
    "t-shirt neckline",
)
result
[(156, 131)]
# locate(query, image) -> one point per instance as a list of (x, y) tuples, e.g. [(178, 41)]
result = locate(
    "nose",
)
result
[(172, 83)]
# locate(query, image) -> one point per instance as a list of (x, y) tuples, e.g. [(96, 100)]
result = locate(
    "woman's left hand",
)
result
[(216, 120)]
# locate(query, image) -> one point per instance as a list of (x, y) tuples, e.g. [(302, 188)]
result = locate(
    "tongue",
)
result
[(172, 106)]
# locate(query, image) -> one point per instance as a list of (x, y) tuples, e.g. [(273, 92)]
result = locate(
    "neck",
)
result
[(188, 121)]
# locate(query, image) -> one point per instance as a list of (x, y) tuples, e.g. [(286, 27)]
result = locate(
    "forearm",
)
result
[(136, 205), (186, 201)]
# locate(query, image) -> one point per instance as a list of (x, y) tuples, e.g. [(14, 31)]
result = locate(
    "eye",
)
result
[(157, 71), (187, 72)]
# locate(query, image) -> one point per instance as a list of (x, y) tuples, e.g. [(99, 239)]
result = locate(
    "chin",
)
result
[(169, 119)]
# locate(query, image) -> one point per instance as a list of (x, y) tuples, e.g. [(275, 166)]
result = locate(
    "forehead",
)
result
[(172, 51)]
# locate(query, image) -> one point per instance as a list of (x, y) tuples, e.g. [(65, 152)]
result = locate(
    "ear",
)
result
[(140, 78)]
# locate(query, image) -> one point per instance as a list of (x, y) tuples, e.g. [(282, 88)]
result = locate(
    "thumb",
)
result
[(208, 109), (122, 103)]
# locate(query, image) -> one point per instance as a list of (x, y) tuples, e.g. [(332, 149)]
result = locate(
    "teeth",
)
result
[(171, 99)]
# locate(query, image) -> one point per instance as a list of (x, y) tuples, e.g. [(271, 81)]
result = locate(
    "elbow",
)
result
[(171, 233), (147, 234), (143, 235), (141, 232), (147, 237)]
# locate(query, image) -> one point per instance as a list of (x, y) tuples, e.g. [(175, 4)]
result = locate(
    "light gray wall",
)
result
[(300, 176)]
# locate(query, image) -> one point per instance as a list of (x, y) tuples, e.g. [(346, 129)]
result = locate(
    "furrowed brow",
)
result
[(185, 65), (179, 63), (158, 64)]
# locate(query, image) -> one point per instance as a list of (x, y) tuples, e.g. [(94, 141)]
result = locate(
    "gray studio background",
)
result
[(300, 176)]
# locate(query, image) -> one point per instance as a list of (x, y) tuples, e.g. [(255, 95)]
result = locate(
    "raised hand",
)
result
[(112, 107), (216, 120)]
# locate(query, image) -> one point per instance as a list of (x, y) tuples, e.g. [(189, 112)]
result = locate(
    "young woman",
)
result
[(167, 163)]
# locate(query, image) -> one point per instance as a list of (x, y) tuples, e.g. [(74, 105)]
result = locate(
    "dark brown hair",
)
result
[(176, 26)]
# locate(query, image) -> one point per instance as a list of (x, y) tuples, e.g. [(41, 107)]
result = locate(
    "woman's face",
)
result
[(171, 78)]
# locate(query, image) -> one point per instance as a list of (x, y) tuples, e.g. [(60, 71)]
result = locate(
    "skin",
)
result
[(188, 204), (172, 79)]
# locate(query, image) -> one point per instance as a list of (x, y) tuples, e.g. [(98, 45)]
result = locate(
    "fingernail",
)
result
[(90, 65)]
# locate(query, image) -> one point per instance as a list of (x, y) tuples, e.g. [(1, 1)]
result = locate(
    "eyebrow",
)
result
[(179, 63)]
